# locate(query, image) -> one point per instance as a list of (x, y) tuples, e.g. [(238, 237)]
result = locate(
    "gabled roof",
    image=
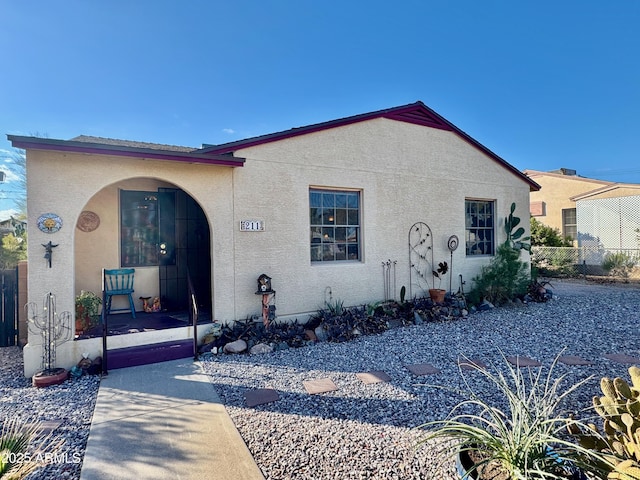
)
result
[(417, 113), (125, 148), (607, 188), (555, 174)]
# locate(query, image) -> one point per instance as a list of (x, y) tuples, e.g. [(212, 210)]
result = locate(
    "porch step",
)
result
[(147, 354)]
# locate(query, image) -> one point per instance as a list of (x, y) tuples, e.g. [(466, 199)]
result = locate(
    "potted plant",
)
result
[(437, 294), (520, 435), (87, 306)]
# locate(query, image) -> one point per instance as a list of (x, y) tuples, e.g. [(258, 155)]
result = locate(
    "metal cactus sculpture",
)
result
[(54, 328)]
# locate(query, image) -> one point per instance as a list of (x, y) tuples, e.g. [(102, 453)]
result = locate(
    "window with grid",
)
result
[(335, 225), (480, 227), (569, 223)]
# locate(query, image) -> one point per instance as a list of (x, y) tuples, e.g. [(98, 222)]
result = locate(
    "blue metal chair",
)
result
[(119, 282)]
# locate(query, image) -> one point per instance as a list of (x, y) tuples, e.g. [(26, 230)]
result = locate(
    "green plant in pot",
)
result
[(512, 429), (87, 309), (437, 294)]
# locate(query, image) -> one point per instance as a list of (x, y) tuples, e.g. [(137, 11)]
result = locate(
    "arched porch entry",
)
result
[(153, 226)]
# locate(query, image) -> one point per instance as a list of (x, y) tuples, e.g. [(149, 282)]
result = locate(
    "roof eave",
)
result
[(403, 113), (37, 143)]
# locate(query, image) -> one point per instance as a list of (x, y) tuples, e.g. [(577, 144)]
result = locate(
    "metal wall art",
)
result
[(88, 221)]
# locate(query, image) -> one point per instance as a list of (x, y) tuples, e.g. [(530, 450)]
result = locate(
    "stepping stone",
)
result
[(49, 426), (45, 427), (574, 360), (320, 385), (621, 358), (519, 361), (260, 396), (423, 369), (471, 364), (373, 377)]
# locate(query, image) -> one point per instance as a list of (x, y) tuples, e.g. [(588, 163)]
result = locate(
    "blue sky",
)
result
[(544, 84)]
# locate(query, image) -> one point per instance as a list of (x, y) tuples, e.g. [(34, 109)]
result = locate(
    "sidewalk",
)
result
[(163, 421)]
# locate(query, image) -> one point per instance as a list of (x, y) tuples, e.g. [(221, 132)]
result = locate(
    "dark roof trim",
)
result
[(417, 113), (197, 156)]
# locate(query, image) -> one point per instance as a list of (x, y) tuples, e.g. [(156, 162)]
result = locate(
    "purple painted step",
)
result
[(146, 354)]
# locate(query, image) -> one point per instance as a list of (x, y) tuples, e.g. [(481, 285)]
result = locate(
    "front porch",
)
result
[(124, 323)]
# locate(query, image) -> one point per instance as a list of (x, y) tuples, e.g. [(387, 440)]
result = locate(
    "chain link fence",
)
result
[(581, 261)]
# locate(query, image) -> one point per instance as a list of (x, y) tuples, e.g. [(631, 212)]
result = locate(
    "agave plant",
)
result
[(523, 435), (21, 447)]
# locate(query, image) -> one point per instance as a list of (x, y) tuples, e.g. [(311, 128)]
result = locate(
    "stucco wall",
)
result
[(406, 173), (556, 193)]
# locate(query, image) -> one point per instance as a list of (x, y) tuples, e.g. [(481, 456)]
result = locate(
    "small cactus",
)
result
[(619, 439)]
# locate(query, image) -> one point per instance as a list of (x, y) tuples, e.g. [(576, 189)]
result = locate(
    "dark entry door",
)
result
[(190, 254)]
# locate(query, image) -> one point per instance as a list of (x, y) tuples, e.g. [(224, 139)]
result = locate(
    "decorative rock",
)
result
[(485, 305), (321, 333), (311, 335), (260, 348), (235, 347)]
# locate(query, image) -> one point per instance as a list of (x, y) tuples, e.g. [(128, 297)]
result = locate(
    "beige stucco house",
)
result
[(595, 213), (318, 209)]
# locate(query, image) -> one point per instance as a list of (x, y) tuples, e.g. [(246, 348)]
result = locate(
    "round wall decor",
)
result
[(88, 221), (49, 223)]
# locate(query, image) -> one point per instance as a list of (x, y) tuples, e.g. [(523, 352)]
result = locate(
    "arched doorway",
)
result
[(155, 227)]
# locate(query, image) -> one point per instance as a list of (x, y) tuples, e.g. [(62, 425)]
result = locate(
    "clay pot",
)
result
[(437, 294)]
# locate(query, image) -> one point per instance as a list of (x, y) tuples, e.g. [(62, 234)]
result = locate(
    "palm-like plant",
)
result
[(21, 448), (525, 440)]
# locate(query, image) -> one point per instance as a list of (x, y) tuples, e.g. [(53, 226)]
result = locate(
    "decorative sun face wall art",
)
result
[(49, 223)]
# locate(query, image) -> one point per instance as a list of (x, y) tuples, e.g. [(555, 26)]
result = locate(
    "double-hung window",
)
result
[(335, 225), (480, 224), (569, 223)]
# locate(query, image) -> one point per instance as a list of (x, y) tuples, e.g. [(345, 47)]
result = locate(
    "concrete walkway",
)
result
[(163, 421)]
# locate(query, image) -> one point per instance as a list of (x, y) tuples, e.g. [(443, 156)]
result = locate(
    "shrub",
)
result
[(544, 236), (504, 279), (514, 425), (618, 264)]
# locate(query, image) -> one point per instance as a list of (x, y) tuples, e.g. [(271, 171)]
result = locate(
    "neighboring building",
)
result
[(595, 213), (12, 225), (317, 208)]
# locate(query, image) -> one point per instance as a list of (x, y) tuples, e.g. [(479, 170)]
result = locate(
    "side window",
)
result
[(569, 223), (334, 217), (480, 227)]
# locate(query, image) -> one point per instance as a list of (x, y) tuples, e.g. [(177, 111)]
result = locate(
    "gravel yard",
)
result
[(368, 431), (365, 431), (66, 409)]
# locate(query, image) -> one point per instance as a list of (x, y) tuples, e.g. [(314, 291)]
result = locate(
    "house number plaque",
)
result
[(251, 225)]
